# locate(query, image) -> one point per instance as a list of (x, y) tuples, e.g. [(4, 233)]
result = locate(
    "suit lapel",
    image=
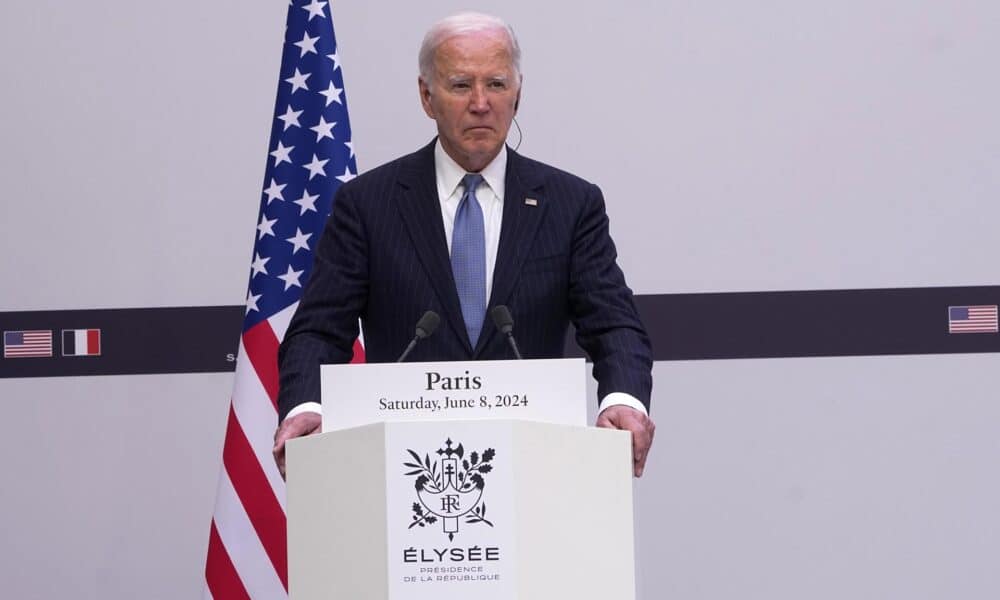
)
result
[(420, 208), (521, 219)]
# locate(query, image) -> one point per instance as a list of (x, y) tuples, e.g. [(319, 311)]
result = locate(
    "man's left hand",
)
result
[(642, 428)]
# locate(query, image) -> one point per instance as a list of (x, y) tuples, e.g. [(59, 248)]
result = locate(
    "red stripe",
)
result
[(256, 495), (220, 574), (359, 353), (93, 341), (262, 347)]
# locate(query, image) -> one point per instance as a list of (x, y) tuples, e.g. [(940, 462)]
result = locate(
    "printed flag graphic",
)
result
[(24, 344), (972, 319), (81, 342), (309, 156)]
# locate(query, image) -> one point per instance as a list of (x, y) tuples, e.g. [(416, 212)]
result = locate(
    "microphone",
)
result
[(425, 327), (505, 323)]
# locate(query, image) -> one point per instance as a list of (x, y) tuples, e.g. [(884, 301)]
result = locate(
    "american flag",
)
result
[(22, 344), (310, 155), (972, 319)]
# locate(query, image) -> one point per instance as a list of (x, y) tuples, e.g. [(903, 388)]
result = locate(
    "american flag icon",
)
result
[(972, 319), (23, 344)]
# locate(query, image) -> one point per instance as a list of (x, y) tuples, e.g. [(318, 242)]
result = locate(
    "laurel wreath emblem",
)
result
[(471, 476)]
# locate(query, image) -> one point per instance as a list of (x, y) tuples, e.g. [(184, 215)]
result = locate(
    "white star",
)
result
[(291, 277), (332, 94), (307, 202), (307, 44), (265, 227), (298, 80), (347, 176), (335, 57), (316, 167), (252, 301), (257, 266), (350, 146), (291, 117), (281, 153), (323, 129), (315, 9), (274, 191), (299, 241)]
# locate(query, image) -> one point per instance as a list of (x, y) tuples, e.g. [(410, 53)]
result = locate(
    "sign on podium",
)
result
[(477, 498)]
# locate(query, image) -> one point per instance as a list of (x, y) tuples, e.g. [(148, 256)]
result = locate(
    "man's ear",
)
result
[(425, 97)]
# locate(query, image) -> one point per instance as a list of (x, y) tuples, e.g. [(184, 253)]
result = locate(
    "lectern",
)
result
[(482, 499)]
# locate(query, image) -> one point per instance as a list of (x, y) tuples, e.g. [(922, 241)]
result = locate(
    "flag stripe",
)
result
[(80, 342), (93, 341), (280, 320), (359, 352), (243, 546), (262, 349), (220, 573), (258, 418), (69, 342), (251, 485)]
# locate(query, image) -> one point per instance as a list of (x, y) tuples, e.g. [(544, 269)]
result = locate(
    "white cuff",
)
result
[(618, 399), (313, 407)]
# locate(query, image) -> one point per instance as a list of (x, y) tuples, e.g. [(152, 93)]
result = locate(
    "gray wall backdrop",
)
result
[(741, 146)]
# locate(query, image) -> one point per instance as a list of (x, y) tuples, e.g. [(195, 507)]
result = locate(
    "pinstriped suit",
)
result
[(383, 256)]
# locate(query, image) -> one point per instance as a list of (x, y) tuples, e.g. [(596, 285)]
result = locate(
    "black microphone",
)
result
[(505, 323), (425, 327)]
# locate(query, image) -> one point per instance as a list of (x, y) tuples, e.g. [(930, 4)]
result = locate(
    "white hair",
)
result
[(461, 24)]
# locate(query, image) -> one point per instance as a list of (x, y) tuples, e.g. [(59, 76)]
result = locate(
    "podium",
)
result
[(464, 504)]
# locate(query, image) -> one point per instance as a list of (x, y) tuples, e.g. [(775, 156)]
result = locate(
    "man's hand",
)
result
[(641, 426), (306, 423)]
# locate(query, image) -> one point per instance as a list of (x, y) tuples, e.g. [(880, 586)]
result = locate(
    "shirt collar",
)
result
[(449, 173)]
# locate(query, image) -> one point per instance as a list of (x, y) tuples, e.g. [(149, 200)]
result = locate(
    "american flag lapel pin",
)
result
[(531, 202)]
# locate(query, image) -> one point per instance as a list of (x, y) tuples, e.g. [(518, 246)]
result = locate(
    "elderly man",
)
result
[(459, 226)]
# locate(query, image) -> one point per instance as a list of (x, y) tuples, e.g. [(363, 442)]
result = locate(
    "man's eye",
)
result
[(498, 85), (460, 86)]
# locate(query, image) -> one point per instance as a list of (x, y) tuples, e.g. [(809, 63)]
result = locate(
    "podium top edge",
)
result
[(460, 363)]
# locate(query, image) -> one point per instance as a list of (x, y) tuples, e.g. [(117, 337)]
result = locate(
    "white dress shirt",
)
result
[(490, 194)]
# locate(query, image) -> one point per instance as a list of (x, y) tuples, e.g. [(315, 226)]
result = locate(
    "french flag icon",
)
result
[(81, 342)]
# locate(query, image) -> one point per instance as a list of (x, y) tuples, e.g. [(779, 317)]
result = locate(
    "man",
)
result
[(458, 226)]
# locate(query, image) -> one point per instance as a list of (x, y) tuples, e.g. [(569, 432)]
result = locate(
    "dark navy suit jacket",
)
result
[(383, 257)]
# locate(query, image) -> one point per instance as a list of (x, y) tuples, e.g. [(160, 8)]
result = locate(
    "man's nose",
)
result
[(478, 102)]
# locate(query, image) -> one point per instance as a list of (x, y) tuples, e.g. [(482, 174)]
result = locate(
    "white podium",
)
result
[(485, 508)]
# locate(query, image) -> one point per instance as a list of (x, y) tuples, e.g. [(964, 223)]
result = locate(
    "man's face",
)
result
[(472, 96)]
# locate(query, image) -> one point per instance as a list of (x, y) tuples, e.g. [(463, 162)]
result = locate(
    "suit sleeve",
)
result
[(325, 324), (603, 310)]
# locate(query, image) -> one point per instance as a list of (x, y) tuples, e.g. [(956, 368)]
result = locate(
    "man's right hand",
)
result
[(302, 424)]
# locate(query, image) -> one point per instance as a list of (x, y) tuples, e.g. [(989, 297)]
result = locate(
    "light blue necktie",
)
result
[(468, 257)]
